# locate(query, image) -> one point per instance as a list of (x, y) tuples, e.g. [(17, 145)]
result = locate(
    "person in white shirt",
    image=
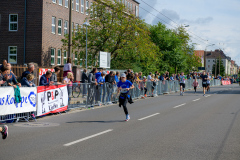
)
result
[(182, 83)]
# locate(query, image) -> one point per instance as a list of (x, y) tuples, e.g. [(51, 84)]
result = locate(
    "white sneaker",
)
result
[(127, 117)]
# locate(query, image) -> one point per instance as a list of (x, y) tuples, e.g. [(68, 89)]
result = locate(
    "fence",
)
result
[(86, 94)]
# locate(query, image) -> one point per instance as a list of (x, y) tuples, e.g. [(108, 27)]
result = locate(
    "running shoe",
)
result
[(204, 95), (145, 95), (5, 133), (127, 117), (33, 116)]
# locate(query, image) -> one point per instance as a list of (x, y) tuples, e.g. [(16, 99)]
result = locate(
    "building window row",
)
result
[(59, 56), (84, 4), (13, 22)]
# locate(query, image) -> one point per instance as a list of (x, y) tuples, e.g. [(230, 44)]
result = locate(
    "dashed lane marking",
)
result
[(196, 100), (148, 116), (86, 138), (180, 105)]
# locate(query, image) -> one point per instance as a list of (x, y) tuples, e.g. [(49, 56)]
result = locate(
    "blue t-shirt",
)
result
[(98, 74), (100, 80), (126, 84), (116, 78)]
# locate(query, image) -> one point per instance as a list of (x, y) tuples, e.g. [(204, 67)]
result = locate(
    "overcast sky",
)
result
[(215, 21)]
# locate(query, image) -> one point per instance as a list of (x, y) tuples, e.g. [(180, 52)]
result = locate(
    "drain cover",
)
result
[(36, 124)]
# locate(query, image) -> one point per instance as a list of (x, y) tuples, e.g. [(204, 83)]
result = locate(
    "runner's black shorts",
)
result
[(208, 84), (183, 85), (204, 85)]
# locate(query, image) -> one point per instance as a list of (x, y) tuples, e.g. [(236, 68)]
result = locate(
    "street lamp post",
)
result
[(86, 24)]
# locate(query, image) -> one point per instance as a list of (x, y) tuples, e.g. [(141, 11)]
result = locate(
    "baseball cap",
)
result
[(123, 75), (104, 72), (144, 76)]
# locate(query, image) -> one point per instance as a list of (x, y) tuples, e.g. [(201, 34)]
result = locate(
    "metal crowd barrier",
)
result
[(16, 117), (87, 95)]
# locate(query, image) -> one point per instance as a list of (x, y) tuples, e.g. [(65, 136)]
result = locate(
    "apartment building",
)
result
[(31, 31)]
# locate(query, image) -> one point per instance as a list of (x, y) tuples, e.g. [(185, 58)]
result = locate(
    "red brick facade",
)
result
[(39, 36)]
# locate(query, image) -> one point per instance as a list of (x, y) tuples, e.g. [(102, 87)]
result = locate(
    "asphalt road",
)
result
[(169, 127)]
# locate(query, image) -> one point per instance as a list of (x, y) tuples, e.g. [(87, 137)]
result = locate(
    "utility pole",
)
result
[(70, 30), (219, 65), (215, 67)]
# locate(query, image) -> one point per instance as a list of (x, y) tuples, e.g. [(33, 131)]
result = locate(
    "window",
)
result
[(60, 2), (128, 5), (12, 54), (53, 25), (52, 56), (77, 5), (208, 60), (123, 1), (76, 28), (72, 26), (66, 3), (59, 57), (54, 1), (60, 27), (72, 4), (65, 57), (131, 7), (75, 59), (136, 11), (65, 27), (13, 22), (87, 6), (82, 6), (213, 61)]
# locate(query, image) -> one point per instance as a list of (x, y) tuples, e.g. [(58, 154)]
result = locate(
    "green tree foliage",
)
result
[(112, 29), (222, 68)]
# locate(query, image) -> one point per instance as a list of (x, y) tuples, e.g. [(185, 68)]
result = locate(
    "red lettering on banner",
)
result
[(52, 96)]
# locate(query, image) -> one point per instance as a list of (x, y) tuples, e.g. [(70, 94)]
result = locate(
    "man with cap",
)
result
[(124, 86)]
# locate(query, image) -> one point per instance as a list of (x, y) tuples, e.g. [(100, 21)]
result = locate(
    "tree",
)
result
[(222, 68), (113, 29)]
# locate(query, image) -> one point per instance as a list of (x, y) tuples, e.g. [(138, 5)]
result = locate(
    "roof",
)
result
[(215, 54), (136, 1)]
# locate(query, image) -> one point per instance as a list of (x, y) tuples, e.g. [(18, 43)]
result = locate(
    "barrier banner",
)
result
[(226, 83), (8, 104), (52, 99)]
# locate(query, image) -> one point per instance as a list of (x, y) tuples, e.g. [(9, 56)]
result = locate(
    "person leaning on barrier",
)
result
[(4, 63), (27, 81), (69, 81), (84, 76), (92, 77), (10, 77), (101, 81), (53, 78), (110, 79), (45, 79), (29, 71)]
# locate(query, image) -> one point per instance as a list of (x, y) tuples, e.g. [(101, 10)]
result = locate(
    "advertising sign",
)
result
[(105, 59)]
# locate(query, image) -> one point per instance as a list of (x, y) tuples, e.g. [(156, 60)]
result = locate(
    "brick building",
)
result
[(31, 31)]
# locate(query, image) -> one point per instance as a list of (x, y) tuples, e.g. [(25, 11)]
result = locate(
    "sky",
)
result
[(210, 21)]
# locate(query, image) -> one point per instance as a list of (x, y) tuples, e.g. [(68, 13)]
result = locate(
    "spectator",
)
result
[(67, 67), (140, 75), (149, 78), (162, 77), (154, 83), (84, 76), (27, 81), (29, 71), (172, 77), (92, 80), (177, 76), (98, 74), (101, 81), (53, 78), (111, 81), (129, 75), (4, 77), (12, 81), (136, 78), (143, 86), (68, 80), (45, 79), (116, 76), (156, 73), (4, 63), (167, 76)]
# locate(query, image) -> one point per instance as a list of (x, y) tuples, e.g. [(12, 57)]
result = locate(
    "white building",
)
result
[(213, 56)]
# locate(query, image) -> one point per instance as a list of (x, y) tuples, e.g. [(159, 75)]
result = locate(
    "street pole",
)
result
[(219, 66), (215, 67), (86, 24), (70, 30), (86, 46)]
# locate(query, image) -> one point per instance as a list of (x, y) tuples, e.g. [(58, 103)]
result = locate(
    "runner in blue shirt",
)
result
[(124, 86)]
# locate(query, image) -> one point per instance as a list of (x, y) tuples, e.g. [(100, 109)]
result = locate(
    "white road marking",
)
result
[(196, 100), (208, 96), (86, 138), (148, 116), (180, 105)]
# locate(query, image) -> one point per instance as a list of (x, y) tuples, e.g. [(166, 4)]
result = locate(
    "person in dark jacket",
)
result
[(84, 81), (92, 89), (54, 75), (27, 81), (110, 81), (45, 79)]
